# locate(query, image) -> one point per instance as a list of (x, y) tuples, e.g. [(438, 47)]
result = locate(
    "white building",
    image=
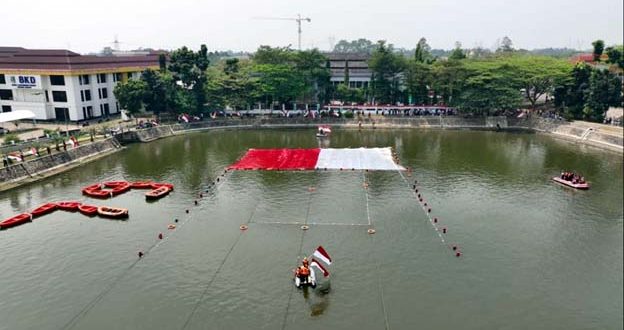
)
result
[(63, 85)]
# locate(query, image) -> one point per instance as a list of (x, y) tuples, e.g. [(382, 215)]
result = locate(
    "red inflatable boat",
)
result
[(69, 206), (88, 210), (44, 209), (15, 221)]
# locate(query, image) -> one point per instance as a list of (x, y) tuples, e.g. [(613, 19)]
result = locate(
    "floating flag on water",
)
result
[(322, 255), (318, 265)]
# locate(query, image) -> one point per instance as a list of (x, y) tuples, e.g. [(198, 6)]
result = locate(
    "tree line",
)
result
[(482, 83)]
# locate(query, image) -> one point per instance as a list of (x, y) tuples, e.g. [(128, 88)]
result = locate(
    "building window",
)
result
[(129, 75), (61, 114), (47, 96), (6, 94), (117, 77), (84, 79), (117, 106), (59, 96), (101, 78), (87, 112), (103, 93), (2, 81), (85, 95), (57, 80), (106, 109), (6, 108)]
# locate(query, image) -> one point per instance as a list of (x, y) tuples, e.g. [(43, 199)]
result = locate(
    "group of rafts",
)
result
[(98, 190)]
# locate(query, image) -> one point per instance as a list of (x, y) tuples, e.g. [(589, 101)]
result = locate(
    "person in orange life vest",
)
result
[(303, 271)]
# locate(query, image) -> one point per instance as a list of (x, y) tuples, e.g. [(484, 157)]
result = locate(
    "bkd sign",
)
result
[(25, 81)]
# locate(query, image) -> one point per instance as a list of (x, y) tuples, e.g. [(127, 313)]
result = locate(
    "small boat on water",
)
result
[(323, 131), (120, 189), (15, 220), (96, 193), (69, 206), (112, 212), (44, 209), (157, 193), (583, 186), (113, 184), (88, 210), (142, 185), (157, 185), (95, 186)]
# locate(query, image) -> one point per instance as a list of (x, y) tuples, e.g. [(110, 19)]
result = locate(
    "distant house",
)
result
[(588, 58), (351, 65)]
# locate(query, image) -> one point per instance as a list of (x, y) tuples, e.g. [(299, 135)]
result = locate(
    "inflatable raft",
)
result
[(112, 212), (15, 220), (44, 209), (582, 186)]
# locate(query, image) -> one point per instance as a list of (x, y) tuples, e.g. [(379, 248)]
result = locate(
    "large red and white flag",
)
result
[(322, 255), (318, 265)]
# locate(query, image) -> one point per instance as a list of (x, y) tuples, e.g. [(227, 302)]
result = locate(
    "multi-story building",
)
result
[(63, 85), (351, 67)]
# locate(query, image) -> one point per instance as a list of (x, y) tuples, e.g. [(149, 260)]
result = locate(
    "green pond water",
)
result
[(536, 255)]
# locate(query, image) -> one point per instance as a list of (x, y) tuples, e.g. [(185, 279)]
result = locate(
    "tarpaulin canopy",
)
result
[(309, 159), (16, 115)]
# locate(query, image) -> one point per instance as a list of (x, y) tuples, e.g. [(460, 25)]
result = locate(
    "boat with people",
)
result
[(572, 180), (43, 209), (323, 131), (69, 206), (303, 280), (16, 220), (157, 193), (112, 212), (88, 210)]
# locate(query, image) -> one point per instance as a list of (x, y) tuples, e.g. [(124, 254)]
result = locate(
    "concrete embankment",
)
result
[(575, 131), (45, 166)]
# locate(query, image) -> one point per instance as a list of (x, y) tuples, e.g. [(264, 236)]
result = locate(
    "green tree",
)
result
[(130, 95), (570, 96), (189, 68), (162, 62), (616, 55), (361, 45), (422, 53), (605, 90), (537, 75), (506, 45), (417, 81), (273, 55), (159, 91), (457, 53), (387, 68), (311, 65), (598, 49)]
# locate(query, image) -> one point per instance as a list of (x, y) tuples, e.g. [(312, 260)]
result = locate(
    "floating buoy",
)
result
[(160, 236), (196, 203), (176, 220), (429, 210), (458, 254), (305, 227), (243, 227), (217, 179), (425, 204), (201, 195), (416, 190), (418, 194), (443, 230), (171, 226), (415, 181), (311, 189), (371, 231), (414, 186), (435, 220), (420, 199), (140, 254), (187, 211), (454, 247)]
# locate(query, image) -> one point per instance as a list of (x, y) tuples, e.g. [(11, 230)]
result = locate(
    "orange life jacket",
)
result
[(303, 271)]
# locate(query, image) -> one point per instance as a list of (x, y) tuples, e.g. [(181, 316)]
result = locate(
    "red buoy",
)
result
[(160, 236), (458, 254)]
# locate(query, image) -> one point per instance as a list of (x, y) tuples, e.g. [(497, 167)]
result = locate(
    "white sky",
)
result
[(87, 25)]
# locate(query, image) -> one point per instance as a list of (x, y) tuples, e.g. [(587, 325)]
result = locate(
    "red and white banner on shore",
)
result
[(317, 159)]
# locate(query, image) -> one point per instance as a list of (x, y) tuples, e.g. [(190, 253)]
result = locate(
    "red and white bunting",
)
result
[(322, 255), (318, 265)]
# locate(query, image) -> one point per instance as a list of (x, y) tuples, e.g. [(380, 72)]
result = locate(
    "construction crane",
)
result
[(298, 19)]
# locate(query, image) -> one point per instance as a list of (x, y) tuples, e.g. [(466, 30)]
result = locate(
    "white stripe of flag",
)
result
[(322, 255), (319, 266)]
